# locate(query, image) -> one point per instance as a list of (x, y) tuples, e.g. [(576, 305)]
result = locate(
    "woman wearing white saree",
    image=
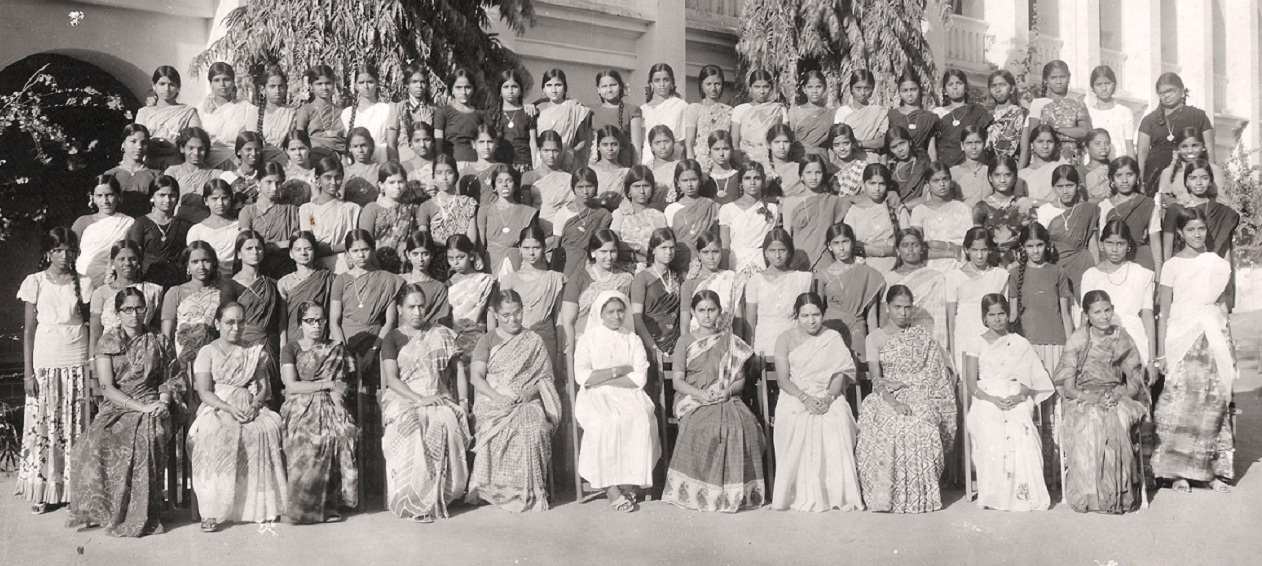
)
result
[(1006, 380), (815, 431), (98, 232), (620, 443), (223, 116)]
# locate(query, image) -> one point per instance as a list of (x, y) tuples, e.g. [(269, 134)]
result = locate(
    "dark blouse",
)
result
[(160, 247)]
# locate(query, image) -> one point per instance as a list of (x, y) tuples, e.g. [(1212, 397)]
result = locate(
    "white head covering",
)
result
[(594, 322)]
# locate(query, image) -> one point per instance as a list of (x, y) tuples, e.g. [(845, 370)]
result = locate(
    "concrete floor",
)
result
[(1198, 528)]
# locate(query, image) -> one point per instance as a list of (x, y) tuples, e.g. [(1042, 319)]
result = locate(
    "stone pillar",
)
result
[(664, 42), (1009, 23), (1244, 93), (1141, 42), (1080, 31), (1196, 53)]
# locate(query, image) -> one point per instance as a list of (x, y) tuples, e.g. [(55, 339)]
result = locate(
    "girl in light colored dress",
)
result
[(877, 217), (328, 216), (54, 372), (223, 116), (770, 293), (965, 288), (378, 116), (664, 108), (97, 233), (744, 222), (221, 228)]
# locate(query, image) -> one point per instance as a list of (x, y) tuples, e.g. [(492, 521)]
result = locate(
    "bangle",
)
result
[(802, 396)]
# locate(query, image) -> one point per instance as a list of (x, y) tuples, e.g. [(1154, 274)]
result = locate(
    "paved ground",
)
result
[(1197, 528)]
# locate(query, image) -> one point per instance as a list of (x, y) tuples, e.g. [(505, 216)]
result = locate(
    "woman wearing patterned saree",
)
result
[(815, 432), (1104, 396), (118, 464), (166, 119), (320, 436), (188, 310), (717, 462), (516, 410), (908, 423), (1194, 435), (426, 434), (390, 219), (709, 277), (1006, 137), (705, 117), (468, 292), (235, 442)]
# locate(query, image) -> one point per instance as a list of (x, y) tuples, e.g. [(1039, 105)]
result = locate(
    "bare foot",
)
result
[(1181, 486), (1220, 486)]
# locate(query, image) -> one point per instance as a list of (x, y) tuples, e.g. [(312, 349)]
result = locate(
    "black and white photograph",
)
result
[(387, 282)]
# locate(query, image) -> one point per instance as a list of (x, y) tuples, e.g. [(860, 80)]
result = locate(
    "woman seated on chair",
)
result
[(619, 447), (1100, 378), (119, 463), (235, 443), (320, 436), (907, 424), (516, 410), (1006, 380), (717, 462), (815, 431), (426, 434)]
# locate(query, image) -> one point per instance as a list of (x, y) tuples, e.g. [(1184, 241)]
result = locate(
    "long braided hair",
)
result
[(495, 99), (366, 69), (1032, 232), (55, 238), (623, 122), (260, 90), (409, 72), (874, 170)]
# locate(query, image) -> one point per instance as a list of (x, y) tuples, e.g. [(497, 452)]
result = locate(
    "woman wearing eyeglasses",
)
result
[(119, 463), (320, 435)]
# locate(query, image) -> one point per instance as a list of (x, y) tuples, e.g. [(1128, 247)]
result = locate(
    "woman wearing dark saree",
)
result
[(501, 221), (516, 410), (320, 436), (809, 222), (717, 461), (655, 296), (259, 298), (160, 235), (426, 434), (690, 216), (815, 432), (575, 223), (310, 283), (119, 463), (907, 424)]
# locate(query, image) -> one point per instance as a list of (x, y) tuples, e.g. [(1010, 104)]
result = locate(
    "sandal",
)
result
[(209, 525), (333, 518), (422, 519), (623, 503), (39, 509), (1220, 486), (1181, 486)]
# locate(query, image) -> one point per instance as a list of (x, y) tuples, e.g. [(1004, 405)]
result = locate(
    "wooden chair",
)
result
[(768, 373), (581, 493), (970, 489), (668, 419)]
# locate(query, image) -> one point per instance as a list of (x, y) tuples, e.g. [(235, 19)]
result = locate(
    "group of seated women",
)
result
[(288, 316)]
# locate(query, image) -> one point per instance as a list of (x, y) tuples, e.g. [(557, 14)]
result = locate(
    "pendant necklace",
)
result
[(955, 121), (511, 123)]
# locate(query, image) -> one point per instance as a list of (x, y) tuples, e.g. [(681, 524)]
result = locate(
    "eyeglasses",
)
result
[(312, 320), (131, 310)]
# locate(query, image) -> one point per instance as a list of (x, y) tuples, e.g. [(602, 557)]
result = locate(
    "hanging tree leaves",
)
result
[(441, 35), (790, 37)]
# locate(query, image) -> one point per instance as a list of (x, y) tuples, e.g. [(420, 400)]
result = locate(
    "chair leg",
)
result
[(1058, 443), (967, 447), (574, 439), (765, 404)]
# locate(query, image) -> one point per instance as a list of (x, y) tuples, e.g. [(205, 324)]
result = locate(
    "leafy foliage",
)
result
[(441, 35), (837, 37), (1242, 189), (58, 126)]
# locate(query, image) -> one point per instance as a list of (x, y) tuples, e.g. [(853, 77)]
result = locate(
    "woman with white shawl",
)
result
[(620, 444)]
